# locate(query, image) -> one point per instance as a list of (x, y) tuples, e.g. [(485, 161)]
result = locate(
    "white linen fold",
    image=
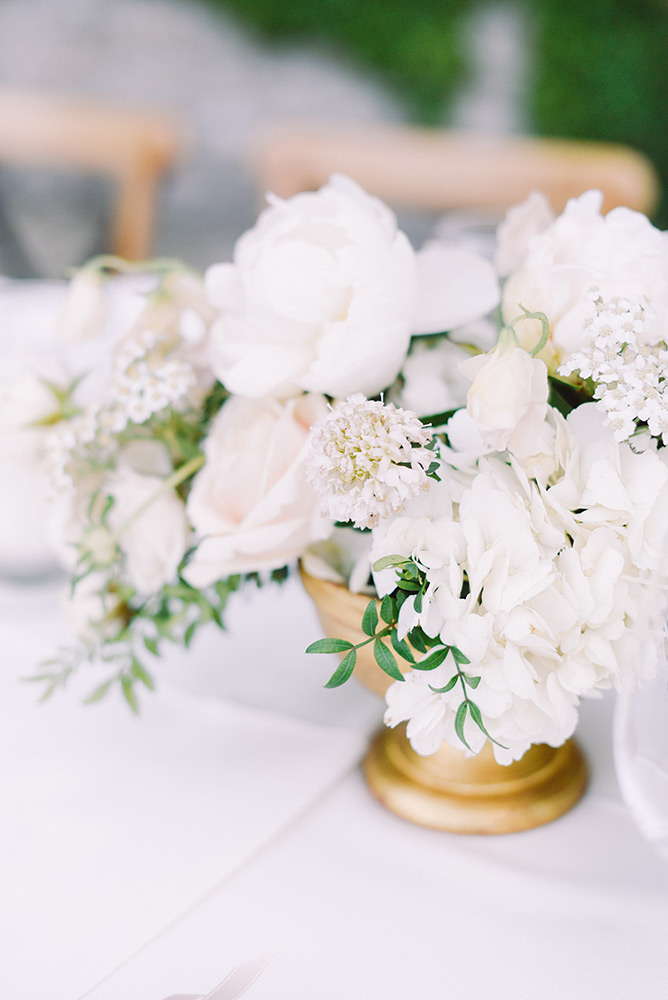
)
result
[(114, 826), (355, 903)]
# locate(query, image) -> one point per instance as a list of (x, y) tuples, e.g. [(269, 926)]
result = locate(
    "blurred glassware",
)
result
[(641, 756)]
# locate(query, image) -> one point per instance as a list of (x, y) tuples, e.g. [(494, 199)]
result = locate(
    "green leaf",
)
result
[(433, 660), (459, 656), (386, 660), (388, 610), (417, 603), (400, 596), (129, 693), (99, 692), (471, 681), (152, 645), (370, 618), (386, 561), (344, 669), (189, 633), (401, 647), (40, 678), (48, 690), (416, 639), (431, 640), (329, 646), (141, 674), (448, 687), (460, 719), (476, 715)]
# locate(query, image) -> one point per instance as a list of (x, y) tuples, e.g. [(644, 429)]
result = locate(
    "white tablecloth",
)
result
[(144, 858)]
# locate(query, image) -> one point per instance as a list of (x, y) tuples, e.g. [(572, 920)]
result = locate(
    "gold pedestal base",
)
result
[(449, 791)]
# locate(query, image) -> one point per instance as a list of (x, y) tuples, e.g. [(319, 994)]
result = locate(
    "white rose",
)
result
[(85, 309), (508, 397), (92, 611), (250, 503), (620, 253), (324, 294), (151, 528)]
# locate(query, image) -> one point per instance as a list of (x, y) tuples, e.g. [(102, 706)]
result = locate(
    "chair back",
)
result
[(437, 171), (131, 147)]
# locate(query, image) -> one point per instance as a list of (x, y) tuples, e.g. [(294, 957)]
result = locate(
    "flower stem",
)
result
[(177, 477), (545, 331)]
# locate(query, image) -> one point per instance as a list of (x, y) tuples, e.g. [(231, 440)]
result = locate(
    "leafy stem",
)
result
[(412, 584), (467, 706), (545, 328)]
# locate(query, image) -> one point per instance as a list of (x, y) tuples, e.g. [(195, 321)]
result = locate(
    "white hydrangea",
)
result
[(553, 590), (367, 459)]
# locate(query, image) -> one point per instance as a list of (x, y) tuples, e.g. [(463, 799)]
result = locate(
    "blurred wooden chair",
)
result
[(437, 171), (130, 147)]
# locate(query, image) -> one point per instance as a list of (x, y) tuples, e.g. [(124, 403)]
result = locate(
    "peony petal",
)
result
[(454, 287)]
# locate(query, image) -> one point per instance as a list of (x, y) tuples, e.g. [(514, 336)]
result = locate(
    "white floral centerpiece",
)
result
[(182, 474), (331, 394)]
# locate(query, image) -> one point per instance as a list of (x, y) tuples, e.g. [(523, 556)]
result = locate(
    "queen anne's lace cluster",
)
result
[(147, 378), (631, 376), (367, 459)]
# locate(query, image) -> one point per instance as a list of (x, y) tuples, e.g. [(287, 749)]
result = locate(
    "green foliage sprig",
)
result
[(412, 584), (135, 626)]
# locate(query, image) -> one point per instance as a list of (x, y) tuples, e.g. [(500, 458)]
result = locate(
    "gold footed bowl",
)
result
[(449, 790)]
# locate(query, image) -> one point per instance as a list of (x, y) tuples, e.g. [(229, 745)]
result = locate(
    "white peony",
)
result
[(250, 503), (324, 293), (620, 253), (521, 224)]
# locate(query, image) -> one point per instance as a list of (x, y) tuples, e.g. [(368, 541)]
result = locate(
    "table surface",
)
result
[(230, 824)]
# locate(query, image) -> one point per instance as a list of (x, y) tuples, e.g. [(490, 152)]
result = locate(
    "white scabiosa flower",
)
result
[(367, 459)]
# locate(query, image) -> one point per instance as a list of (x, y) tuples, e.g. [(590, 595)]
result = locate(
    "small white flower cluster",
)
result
[(147, 377), (65, 441), (367, 459), (146, 380), (552, 589), (631, 375)]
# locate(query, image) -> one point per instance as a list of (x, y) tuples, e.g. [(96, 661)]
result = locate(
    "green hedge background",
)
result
[(600, 66)]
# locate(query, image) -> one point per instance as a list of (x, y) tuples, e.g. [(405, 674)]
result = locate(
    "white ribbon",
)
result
[(240, 979)]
